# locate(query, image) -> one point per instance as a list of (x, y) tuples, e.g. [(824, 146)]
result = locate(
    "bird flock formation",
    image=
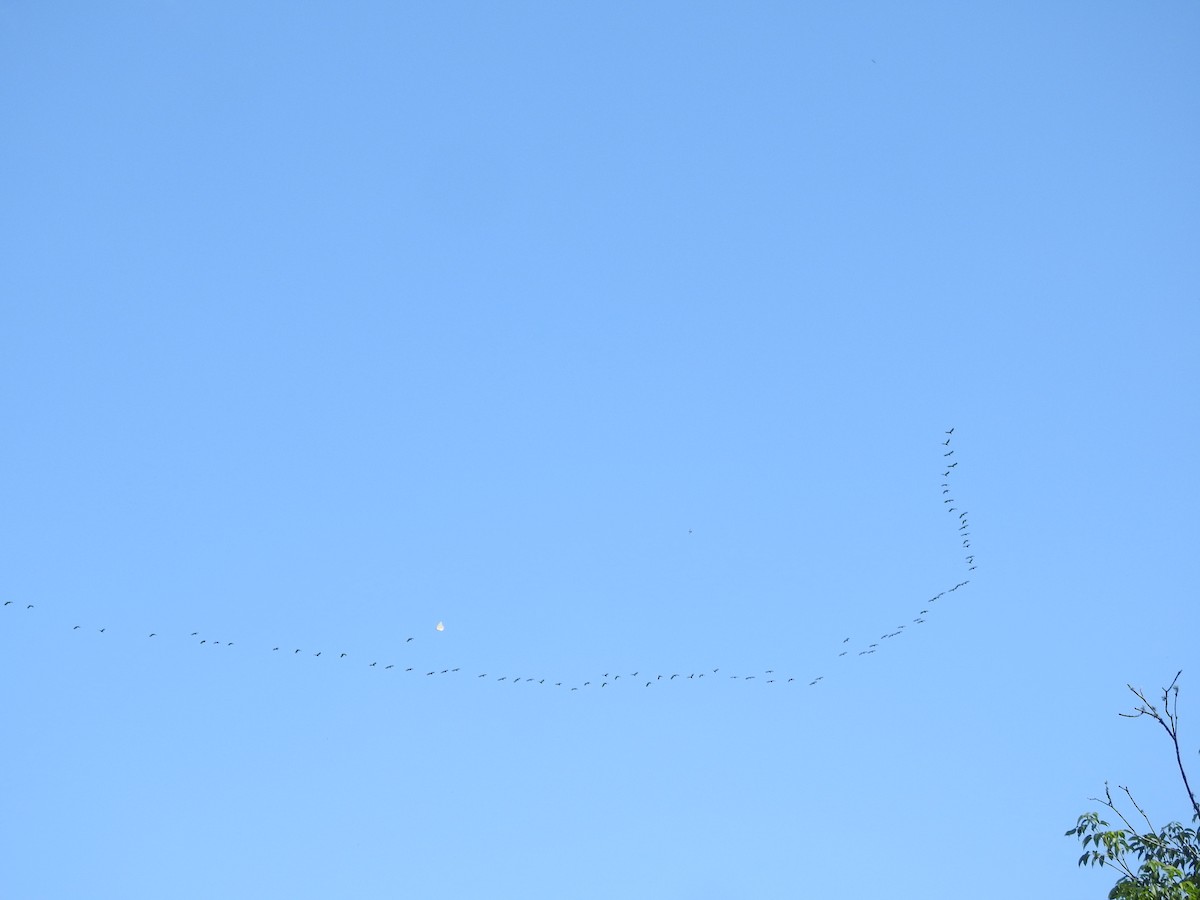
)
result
[(641, 678)]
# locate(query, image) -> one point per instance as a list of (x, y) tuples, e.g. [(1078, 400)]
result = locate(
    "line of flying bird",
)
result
[(767, 676)]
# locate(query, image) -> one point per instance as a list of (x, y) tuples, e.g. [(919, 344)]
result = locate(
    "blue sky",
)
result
[(620, 340)]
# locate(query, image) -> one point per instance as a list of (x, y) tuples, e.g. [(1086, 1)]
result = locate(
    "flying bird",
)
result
[(951, 431), (76, 628)]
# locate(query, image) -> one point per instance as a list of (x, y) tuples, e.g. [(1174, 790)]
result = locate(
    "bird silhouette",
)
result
[(153, 634), (952, 465), (8, 603), (30, 606), (76, 628), (340, 657), (951, 431), (392, 666)]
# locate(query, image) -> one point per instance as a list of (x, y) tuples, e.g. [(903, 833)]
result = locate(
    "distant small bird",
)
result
[(8, 603), (195, 633), (392, 666), (297, 651), (790, 680), (76, 628), (408, 640), (952, 465), (152, 634), (274, 648), (648, 684), (951, 431), (846, 641), (102, 631), (374, 664), (951, 453), (30, 606), (341, 656), (946, 442), (318, 653)]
